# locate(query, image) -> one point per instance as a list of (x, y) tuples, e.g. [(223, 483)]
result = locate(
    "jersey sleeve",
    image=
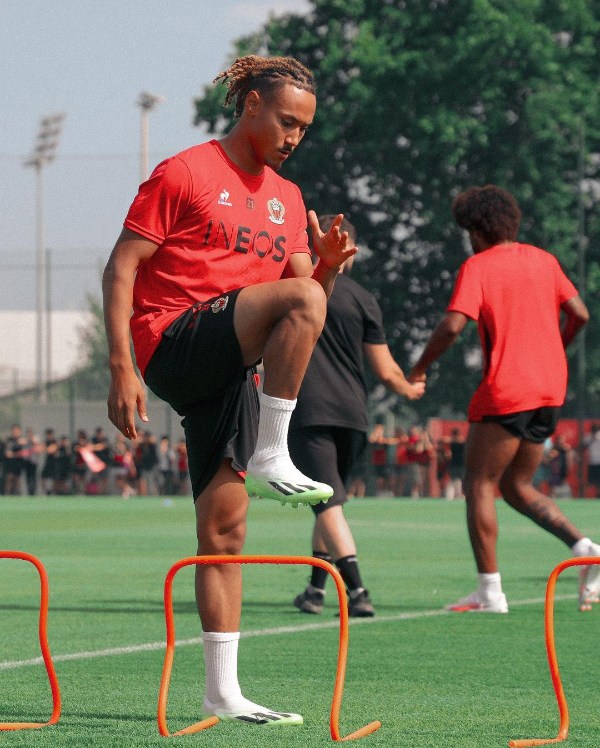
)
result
[(160, 200), (566, 290), (467, 296)]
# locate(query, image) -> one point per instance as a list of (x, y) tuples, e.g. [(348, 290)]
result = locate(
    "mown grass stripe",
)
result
[(275, 631)]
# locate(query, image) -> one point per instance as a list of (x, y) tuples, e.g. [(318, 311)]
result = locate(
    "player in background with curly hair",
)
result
[(515, 292), (214, 260)]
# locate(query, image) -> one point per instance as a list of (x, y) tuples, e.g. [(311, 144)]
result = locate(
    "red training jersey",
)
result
[(514, 292), (218, 229)]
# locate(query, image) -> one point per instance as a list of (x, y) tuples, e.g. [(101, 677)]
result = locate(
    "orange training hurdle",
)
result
[(42, 628), (342, 651), (563, 709)]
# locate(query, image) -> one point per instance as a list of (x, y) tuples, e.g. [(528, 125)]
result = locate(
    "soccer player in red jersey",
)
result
[(214, 260), (516, 293)]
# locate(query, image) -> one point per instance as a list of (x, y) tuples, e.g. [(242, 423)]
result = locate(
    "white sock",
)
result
[(490, 585), (223, 692), (220, 656), (582, 547), (273, 425)]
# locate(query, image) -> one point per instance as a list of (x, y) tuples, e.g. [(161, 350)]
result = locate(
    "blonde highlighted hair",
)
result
[(262, 74)]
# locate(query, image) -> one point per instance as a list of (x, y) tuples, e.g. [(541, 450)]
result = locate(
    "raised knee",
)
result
[(310, 299)]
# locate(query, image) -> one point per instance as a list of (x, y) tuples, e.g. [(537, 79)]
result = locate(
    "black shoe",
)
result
[(361, 606), (310, 601)]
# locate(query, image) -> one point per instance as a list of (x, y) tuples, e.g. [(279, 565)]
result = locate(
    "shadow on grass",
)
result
[(111, 606), (133, 606), (73, 719)]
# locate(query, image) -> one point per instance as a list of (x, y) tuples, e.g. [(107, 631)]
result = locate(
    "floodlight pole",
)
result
[(40, 281), (146, 102), (48, 270), (582, 288), (44, 152)]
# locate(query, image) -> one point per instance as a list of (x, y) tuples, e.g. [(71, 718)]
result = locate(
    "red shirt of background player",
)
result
[(514, 293)]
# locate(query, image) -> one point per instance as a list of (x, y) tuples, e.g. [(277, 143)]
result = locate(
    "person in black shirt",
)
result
[(456, 467), (63, 467), (146, 460), (30, 456), (13, 464), (328, 430), (49, 469)]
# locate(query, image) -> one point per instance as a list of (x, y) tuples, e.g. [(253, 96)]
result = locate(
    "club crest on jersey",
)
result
[(276, 210), (224, 198), (219, 304)]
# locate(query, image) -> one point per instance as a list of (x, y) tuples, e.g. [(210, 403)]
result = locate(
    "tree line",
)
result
[(417, 100)]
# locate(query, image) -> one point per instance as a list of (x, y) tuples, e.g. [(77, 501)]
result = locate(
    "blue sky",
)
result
[(91, 60)]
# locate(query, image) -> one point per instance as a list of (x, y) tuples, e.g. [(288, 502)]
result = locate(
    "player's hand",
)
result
[(415, 390), (334, 247), (417, 376), (126, 397)]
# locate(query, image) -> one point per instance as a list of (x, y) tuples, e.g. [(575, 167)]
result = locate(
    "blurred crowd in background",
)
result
[(414, 463), (94, 464), (407, 463)]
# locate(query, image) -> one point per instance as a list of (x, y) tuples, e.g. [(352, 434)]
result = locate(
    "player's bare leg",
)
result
[(489, 451), (518, 490), (221, 529), (281, 323), (331, 533)]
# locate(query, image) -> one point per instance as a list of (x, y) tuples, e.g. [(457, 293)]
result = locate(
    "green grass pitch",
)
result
[(433, 679)]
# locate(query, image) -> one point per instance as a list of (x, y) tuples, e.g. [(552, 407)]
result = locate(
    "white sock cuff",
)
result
[(581, 547), (490, 584), (276, 403), (490, 577), (220, 636)]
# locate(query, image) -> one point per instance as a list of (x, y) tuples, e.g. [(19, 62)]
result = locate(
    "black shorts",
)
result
[(198, 369), (532, 425), (594, 475), (14, 466), (327, 454), (381, 471)]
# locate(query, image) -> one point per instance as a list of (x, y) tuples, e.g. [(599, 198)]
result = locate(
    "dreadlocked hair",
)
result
[(262, 74)]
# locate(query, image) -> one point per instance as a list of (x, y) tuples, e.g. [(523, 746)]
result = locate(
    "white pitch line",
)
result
[(276, 631)]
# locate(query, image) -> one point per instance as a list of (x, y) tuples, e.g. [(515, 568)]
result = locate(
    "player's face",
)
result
[(279, 123)]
